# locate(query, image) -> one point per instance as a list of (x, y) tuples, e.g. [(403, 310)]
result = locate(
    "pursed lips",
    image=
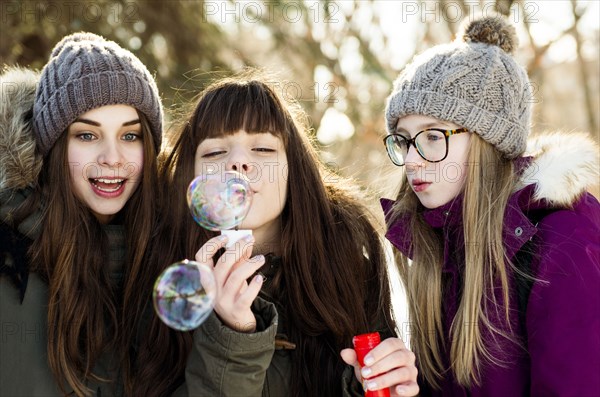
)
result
[(419, 185)]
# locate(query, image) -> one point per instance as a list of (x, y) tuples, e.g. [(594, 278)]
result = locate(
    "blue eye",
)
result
[(131, 136), (85, 136), (434, 136)]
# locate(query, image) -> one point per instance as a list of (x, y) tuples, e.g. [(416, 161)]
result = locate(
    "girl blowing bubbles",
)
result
[(503, 285), (318, 276), (77, 179)]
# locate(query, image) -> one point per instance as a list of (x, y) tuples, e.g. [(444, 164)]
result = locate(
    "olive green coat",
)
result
[(24, 369), (227, 363)]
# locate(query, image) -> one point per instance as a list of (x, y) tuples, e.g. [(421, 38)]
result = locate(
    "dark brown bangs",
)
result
[(252, 106)]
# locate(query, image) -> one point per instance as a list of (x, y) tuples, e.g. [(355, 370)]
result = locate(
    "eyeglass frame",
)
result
[(411, 141)]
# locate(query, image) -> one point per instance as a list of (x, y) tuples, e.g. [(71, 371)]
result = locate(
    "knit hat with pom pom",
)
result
[(473, 82)]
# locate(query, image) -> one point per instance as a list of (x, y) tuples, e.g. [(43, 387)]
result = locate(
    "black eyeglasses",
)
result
[(431, 144)]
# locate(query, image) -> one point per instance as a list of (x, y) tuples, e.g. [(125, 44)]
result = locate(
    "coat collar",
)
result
[(517, 227)]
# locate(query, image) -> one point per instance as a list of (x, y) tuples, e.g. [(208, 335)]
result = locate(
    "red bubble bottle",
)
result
[(363, 344)]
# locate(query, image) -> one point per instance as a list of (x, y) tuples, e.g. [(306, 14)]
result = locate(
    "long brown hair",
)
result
[(333, 282), (87, 311), (489, 182)]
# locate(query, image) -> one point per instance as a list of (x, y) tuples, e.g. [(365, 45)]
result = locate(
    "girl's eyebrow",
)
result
[(132, 122), (86, 121), (97, 124)]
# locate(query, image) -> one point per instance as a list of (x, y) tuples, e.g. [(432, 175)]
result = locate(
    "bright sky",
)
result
[(400, 20)]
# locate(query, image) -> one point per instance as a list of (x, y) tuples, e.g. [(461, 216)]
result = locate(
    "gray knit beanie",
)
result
[(86, 71), (473, 82)]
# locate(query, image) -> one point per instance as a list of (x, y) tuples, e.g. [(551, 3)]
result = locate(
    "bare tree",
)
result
[(578, 11)]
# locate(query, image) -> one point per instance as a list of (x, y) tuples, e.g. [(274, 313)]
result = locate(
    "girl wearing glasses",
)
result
[(504, 250)]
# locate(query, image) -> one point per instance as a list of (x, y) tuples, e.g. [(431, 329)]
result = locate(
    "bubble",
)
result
[(219, 201), (184, 295)]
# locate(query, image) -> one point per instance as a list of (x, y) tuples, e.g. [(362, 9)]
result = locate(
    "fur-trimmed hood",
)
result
[(20, 163), (564, 166)]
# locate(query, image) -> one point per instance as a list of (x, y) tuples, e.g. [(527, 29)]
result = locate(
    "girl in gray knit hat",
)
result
[(77, 208), (498, 249)]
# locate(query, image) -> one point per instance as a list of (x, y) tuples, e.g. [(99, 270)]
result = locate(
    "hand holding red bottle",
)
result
[(383, 367), (363, 344)]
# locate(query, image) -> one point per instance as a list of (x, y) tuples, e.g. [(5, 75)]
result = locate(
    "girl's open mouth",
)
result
[(108, 187)]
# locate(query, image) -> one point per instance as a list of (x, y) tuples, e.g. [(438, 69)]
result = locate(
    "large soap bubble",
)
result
[(220, 201), (184, 295)]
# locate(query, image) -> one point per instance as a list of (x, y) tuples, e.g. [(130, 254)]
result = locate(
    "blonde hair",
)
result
[(489, 184)]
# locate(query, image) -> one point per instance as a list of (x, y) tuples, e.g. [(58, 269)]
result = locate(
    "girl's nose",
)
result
[(413, 159), (239, 161), (110, 155), (239, 167)]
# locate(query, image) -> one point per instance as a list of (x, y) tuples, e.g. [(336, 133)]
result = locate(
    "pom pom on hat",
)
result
[(493, 31)]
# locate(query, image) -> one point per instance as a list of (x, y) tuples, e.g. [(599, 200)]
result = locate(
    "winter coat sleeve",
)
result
[(563, 314), (225, 363)]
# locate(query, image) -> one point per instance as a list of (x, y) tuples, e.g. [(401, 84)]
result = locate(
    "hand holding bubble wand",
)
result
[(184, 294)]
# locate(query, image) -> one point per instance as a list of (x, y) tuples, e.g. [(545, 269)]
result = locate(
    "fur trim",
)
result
[(20, 164), (565, 165)]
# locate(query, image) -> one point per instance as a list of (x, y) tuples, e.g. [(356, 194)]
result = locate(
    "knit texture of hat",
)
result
[(86, 71), (473, 82)]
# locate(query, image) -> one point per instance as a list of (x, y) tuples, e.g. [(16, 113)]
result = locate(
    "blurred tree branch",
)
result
[(583, 72), (186, 39)]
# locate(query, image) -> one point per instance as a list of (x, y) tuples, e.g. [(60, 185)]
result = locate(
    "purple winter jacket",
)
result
[(562, 320)]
